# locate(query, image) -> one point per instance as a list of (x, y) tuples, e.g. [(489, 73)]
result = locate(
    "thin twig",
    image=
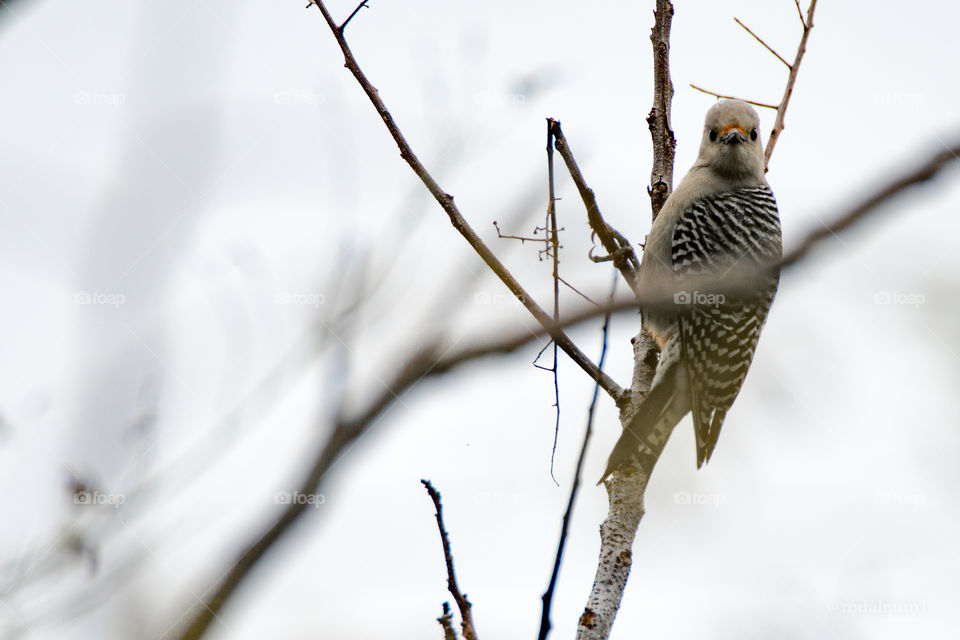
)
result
[(547, 597), (446, 623), (466, 620), (522, 239), (760, 40), (726, 97), (576, 291), (350, 17), (800, 12), (445, 200), (551, 223), (778, 124)]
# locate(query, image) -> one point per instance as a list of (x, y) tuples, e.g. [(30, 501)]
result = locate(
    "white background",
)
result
[(183, 185)]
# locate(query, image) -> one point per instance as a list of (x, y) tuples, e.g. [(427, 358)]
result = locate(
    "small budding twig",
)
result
[(350, 17), (760, 40), (726, 97), (781, 107), (446, 623), (778, 124), (461, 599)]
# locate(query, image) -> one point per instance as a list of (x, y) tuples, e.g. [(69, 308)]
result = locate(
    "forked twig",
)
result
[(778, 124)]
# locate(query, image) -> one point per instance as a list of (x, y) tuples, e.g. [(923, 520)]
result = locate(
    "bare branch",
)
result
[(760, 40), (522, 239), (446, 623), (466, 620), (664, 142), (554, 240), (459, 222), (778, 124), (576, 291), (726, 97), (350, 17), (618, 248), (799, 12)]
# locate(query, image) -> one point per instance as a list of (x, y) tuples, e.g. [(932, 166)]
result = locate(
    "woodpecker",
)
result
[(720, 224)]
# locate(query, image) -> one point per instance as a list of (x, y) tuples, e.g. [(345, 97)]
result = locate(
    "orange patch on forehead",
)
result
[(730, 127)]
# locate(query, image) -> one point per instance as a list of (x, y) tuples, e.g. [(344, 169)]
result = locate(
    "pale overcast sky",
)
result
[(184, 184)]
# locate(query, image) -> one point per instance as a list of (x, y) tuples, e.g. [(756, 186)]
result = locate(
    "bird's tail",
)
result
[(663, 407)]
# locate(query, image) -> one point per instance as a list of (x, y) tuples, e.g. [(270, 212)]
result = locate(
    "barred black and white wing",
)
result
[(736, 232)]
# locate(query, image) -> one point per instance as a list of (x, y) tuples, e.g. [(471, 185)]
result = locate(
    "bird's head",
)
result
[(731, 141)]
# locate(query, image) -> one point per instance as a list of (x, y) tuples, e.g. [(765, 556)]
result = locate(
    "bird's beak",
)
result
[(733, 135)]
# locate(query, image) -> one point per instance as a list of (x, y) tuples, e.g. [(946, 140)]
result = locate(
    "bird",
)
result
[(721, 224)]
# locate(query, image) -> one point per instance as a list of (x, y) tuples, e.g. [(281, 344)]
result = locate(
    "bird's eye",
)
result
[(753, 134), (713, 135)]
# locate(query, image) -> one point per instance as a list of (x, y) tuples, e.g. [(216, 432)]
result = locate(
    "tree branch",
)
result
[(553, 236), (778, 124), (466, 620), (760, 40), (664, 142), (445, 201), (618, 248), (726, 97)]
